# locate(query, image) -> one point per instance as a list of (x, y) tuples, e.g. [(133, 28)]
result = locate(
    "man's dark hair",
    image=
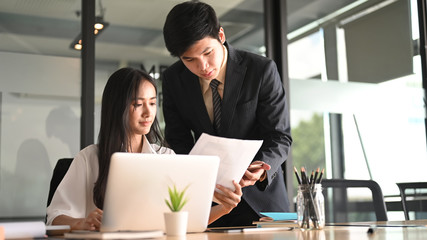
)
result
[(187, 23)]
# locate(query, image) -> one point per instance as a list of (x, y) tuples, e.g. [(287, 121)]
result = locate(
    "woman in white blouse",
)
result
[(128, 124)]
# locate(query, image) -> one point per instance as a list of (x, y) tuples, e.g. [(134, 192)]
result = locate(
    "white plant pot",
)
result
[(176, 223)]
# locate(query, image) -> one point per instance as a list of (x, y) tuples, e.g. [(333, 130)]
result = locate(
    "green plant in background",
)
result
[(176, 199), (308, 148)]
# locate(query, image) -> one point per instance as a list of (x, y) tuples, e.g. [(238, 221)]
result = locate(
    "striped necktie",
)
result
[(216, 102)]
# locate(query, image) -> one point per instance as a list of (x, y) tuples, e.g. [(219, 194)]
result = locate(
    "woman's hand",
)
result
[(256, 171), (227, 200), (91, 222)]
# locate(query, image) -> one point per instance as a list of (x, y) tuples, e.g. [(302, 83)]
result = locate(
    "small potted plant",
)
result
[(176, 220)]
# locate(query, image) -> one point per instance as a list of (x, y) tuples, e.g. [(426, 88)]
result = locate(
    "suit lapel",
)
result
[(191, 85), (234, 78)]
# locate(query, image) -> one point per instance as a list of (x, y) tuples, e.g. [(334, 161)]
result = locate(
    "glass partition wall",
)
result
[(40, 80), (361, 66), (39, 101)]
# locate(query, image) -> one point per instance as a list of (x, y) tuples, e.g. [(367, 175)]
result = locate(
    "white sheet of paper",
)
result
[(235, 156)]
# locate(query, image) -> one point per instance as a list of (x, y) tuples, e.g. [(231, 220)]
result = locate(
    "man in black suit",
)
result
[(252, 100)]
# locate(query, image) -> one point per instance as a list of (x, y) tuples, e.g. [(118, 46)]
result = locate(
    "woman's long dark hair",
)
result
[(115, 132)]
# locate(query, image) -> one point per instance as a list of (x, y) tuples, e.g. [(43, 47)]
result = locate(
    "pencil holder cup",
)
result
[(310, 206)]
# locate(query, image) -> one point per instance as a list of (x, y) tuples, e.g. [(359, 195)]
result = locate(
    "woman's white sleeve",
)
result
[(71, 196)]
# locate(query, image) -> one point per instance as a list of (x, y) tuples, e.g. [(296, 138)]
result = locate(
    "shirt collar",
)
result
[(221, 75), (146, 146)]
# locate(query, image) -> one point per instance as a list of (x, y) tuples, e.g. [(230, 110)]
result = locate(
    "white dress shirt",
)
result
[(206, 89)]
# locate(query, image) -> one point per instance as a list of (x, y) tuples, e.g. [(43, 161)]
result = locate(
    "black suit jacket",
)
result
[(253, 107)]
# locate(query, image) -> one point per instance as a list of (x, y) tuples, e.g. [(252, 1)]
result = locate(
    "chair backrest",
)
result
[(415, 200), (59, 172), (338, 208)]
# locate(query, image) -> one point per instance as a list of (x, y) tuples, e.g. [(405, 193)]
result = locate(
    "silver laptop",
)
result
[(138, 186)]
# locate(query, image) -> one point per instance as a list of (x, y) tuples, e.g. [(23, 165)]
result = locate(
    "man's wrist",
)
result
[(263, 176), (262, 183)]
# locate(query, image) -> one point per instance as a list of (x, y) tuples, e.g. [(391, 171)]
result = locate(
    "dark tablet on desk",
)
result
[(248, 229), (228, 229)]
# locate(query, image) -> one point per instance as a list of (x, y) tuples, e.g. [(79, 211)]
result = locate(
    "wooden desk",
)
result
[(329, 232)]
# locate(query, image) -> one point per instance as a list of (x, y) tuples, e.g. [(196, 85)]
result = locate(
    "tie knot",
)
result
[(214, 84)]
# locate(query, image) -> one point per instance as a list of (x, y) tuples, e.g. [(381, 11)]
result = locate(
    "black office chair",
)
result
[(414, 199), (59, 172), (339, 209)]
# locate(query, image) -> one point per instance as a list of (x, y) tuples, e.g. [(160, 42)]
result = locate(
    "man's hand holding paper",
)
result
[(256, 171)]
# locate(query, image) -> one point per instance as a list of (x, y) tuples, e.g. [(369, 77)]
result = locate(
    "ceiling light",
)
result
[(99, 23), (99, 26), (78, 46)]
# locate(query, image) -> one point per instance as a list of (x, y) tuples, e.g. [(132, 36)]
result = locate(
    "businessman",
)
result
[(219, 90)]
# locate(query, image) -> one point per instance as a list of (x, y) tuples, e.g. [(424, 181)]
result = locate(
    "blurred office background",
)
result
[(354, 79)]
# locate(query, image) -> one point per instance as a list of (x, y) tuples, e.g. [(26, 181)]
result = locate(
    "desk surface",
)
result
[(329, 232)]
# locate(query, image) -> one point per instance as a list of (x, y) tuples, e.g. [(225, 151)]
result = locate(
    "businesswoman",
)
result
[(128, 124)]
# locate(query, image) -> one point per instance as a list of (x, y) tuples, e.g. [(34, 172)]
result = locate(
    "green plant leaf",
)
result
[(169, 205), (176, 198)]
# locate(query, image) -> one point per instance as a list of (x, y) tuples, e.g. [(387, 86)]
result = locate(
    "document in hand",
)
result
[(235, 156)]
